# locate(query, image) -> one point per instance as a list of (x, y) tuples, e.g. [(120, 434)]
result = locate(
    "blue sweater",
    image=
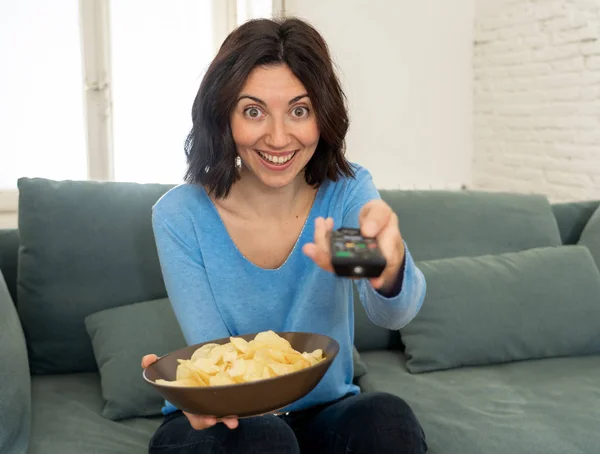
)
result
[(216, 292)]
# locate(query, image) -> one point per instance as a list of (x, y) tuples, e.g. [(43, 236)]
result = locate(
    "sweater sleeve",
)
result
[(186, 280), (397, 310)]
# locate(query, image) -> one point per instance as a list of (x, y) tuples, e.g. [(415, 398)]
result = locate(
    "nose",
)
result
[(277, 135)]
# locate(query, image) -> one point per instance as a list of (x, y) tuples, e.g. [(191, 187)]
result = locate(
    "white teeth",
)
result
[(277, 159)]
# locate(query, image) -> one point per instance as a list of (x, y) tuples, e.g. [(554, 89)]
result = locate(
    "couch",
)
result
[(503, 358)]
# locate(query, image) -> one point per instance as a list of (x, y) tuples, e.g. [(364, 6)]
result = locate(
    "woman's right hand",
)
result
[(196, 421)]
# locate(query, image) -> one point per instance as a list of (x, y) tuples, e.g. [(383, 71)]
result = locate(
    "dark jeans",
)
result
[(369, 423)]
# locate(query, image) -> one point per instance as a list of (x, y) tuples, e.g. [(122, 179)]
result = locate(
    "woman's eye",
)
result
[(253, 112), (300, 111)]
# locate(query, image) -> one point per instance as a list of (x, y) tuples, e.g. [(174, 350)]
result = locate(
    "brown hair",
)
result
[(210, 149)]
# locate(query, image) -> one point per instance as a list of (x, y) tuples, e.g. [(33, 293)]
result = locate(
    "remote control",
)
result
[(353, 255)]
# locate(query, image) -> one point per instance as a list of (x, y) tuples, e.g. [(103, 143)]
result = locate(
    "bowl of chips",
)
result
[(247, 375)]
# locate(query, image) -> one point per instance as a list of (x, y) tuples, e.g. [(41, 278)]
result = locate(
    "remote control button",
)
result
[(358, 270), (343, 254), (349, 245)]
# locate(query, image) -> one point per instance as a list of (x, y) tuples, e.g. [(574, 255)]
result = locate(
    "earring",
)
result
[(238, 163)]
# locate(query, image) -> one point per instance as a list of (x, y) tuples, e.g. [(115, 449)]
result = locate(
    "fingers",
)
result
[(322, 229), (200, 422), (204, 422), (319, 250), (374, 217), (148, 359), (389, 238), (232, 423), (390, 243)]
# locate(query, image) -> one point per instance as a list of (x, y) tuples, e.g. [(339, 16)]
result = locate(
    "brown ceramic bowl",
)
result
[(244, 399)]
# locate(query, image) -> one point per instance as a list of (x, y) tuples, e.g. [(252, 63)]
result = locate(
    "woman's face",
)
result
[(274, 126)]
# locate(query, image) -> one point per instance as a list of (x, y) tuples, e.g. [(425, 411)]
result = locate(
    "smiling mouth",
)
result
[(277, 159)]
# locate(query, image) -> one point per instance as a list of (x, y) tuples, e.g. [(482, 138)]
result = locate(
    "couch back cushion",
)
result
[(445, 224), (85, 247), (9, 249), (15, 385), (572, 217), (590, 236)]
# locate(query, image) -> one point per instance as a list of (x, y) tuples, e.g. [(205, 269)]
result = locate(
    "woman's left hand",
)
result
[(376, 219)]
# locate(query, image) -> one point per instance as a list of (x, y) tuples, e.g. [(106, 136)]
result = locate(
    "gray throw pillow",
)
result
[(360, 368), (539, 303), (120, 338), (590, 236), (15, 384)]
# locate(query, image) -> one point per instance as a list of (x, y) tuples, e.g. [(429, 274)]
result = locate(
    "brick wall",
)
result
[(537, 97)]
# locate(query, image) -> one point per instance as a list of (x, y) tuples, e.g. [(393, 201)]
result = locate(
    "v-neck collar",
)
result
[(224, 231)]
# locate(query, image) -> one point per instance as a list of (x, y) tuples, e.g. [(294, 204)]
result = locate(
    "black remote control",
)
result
[(354, 255)]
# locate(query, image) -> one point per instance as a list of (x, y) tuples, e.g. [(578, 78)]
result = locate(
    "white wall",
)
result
[(8, 209), (8, 220), (537, 97), (408, 77)]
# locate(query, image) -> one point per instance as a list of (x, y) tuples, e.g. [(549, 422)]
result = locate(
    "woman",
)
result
[(243, 244)]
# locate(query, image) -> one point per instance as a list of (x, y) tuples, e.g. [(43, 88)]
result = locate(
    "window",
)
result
[(42, 111), (159, 53), (250, 9), (74, 107)]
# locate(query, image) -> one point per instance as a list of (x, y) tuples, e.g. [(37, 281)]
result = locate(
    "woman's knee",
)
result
[(264, 435), (403, 425), (389, 404), (393, 426)]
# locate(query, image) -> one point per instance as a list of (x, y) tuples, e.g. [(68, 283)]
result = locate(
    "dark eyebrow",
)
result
[(261, 102), (298, 98), (256, 100)]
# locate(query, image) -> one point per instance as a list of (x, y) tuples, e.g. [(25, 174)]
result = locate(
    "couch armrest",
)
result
[(15, 380)]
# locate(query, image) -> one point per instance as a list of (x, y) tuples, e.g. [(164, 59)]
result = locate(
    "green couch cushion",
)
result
[(85, 246), (360, 368), (590, 236), (9, 250), (441, 224), (549, 406), (572, 217), (538, 303), (15, 393), (120, 337), (367, 335), (67, 419)]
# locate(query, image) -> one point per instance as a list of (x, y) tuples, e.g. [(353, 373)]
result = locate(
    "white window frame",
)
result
[(97, 76), (95, 40)]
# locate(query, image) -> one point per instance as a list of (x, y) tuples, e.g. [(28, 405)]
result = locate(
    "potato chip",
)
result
[(203, 352), (282, 369), (185, 382), (205, 365), (268, 355), (240, 344), (273, 340), (184, 373), (238, 368)]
